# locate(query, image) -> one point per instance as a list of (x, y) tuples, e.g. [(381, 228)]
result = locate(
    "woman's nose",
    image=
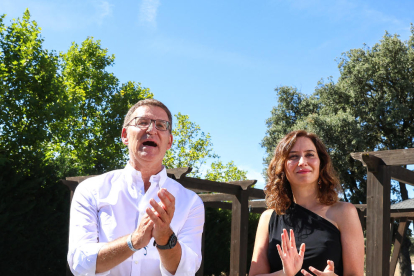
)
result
[(302, 161)]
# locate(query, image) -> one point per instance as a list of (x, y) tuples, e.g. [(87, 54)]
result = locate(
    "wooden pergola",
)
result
[(375, 216), (382, 166), (231, 195)]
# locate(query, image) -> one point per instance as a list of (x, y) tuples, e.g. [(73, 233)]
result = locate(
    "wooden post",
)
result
[(402, 229), (378, 218), (239, 234)]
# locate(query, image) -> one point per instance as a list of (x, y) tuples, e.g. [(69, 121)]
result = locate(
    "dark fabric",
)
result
[(321, 237)]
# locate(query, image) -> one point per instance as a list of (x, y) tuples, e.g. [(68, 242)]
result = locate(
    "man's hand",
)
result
[(143, 234), (115, 252), (161, 215)]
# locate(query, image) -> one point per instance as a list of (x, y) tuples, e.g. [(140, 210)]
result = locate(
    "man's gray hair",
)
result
[(152, 102)]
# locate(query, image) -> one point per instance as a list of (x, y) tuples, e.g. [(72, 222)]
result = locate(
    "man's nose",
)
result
[(151, 127)]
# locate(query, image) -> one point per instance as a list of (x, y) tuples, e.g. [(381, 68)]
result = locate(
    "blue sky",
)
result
[(220, 61)]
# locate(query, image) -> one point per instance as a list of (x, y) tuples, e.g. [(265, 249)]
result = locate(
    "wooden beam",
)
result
[(399, 237), (403, 175), (372, 162), (216, 197), (239, 234), (378, 218), (209, 186), (390, 157), (244, 184), (256, 193), (362, 213), (401, 215), (257, 204), (361, 207), (178, 173)]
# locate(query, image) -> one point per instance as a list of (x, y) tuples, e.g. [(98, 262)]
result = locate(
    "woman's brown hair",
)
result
[(278, 191)]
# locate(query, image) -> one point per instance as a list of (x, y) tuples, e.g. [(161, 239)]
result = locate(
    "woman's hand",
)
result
[(292, 260), (328, 271)]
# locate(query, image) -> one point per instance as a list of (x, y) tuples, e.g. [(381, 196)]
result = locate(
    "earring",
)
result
[(320, 183)]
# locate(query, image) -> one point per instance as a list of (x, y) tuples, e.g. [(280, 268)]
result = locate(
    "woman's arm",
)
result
[(352, 239), (260, 264)]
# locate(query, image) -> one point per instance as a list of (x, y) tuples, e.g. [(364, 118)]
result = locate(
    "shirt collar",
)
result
[(136, 177)]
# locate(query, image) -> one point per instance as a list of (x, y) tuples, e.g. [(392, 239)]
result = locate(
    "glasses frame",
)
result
[(152, 122)]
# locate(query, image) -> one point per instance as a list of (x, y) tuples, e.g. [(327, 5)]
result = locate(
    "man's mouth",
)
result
[(150, 144)]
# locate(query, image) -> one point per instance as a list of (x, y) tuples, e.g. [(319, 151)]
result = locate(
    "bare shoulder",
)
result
[(344, 214), (266, 215), (264, 221), (343, 207)]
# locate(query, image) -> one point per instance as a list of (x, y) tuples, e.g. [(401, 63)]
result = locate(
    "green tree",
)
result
[(61, 115), (89, 136), (191, 147), (225, 172), (368, 108), (31, 98)]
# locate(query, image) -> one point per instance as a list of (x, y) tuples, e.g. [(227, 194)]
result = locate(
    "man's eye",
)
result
[(142, 122), (161, 125)]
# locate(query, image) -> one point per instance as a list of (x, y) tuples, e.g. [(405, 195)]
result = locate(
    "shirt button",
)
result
[(136, 262)]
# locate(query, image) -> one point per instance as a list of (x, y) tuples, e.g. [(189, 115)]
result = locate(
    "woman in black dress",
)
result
[(303, 209)]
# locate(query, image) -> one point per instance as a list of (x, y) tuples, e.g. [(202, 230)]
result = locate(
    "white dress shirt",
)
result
[(112, 205)]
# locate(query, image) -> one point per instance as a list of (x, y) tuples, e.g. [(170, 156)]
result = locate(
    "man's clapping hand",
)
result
[(161, 215)]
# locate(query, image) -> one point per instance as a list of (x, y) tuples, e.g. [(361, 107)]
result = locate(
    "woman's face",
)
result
[(302, 164)]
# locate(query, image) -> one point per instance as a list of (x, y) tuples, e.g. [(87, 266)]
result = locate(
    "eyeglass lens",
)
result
[(146, 122)]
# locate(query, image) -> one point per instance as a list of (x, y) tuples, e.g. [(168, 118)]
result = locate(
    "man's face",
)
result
[(147, 146)]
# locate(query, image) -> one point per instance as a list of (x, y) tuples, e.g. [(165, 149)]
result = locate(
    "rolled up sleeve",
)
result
[(83, 234)]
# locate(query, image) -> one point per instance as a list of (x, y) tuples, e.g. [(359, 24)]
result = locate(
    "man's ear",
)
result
[(124, 136), (171, 139)]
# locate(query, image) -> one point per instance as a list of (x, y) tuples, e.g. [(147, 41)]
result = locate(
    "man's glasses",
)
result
[(144, 123)]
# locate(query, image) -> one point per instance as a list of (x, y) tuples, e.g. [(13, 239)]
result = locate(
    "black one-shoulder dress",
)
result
[(321, 237)]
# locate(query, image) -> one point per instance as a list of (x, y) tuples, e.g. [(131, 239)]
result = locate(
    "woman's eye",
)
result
[(293, 156), (310, 155)]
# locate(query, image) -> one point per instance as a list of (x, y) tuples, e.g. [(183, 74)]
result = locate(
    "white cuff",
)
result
[(84, 260)]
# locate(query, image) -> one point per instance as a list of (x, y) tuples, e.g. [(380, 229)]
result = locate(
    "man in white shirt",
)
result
[(137, 221)]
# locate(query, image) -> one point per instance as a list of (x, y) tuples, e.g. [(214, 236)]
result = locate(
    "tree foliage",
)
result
[(369, 108), (61, 115), (193, 148)]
